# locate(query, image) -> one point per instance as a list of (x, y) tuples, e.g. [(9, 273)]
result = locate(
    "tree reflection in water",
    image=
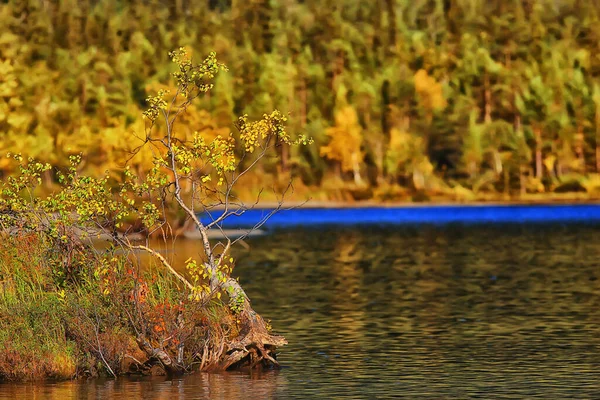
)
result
[(423, 312)]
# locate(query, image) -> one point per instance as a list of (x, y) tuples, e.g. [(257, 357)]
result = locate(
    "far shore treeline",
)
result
[(458, 99)]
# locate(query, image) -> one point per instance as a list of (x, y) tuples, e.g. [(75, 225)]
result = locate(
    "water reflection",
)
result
[(265, 385), (455, 312)]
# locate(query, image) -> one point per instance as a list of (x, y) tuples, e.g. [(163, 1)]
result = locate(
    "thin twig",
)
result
[(165, 263)]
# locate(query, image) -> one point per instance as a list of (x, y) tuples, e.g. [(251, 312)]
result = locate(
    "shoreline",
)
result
[(414, 204)]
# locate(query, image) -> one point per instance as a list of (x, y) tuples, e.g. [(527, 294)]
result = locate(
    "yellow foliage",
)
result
[(407, 155), (429, 91), (406, 152), (123, 144), (401, 144), (549, 162), (462, 194), (345, 139), (535, 185), (8, 79), (592, 183), (199, 121)]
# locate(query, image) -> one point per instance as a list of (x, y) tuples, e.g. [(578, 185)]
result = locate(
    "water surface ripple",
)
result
[(455, 312)]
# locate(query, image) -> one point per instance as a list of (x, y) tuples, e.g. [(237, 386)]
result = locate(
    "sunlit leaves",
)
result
[(195, 78), (429, 91), (155, 105), (345, 140), (253, 134), (8, 79)]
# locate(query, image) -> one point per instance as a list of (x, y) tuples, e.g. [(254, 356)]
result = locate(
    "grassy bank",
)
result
[(67, 311), (33, 313), (56, 322)]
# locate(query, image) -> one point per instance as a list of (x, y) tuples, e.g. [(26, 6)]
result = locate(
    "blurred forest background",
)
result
[(405, 99)]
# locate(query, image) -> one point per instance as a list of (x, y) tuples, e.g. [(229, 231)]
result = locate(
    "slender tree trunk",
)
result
[(385, 109), (597, 118), (560, 170), (472, 169), (392, 31), (380, 157), (522, 187), (487, 119), (303, 103), (518, 129), (338, 68), (264, 17), (598, 151), (487, 99), (579, 143), (406, 117), (285, 155), (377, 22), (356, 170), (418, 179), (285, 148), (497, 162), (337, 170), (537, 132), (176, 8)]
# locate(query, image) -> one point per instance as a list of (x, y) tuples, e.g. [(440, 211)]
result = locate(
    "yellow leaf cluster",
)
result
[(407, 154), (430, 91), (345, 139), (8, 79)]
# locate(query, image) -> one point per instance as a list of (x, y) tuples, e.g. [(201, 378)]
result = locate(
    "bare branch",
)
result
[(165, 263)]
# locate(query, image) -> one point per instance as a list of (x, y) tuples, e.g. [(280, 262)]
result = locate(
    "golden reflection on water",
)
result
[(225, 386), (346, 294)]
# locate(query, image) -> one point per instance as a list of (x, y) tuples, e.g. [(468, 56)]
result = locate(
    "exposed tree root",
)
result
[(254, 347), (171, 367)]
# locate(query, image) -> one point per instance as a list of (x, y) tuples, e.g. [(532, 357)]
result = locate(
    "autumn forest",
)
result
[(423, 99)]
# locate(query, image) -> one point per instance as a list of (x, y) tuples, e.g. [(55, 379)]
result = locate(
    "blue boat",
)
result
[(412, 214)]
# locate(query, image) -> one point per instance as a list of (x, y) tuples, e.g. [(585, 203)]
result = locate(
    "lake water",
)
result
[(432, 312)]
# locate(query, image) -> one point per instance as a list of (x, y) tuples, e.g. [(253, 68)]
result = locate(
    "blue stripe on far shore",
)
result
[(414, 215)]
